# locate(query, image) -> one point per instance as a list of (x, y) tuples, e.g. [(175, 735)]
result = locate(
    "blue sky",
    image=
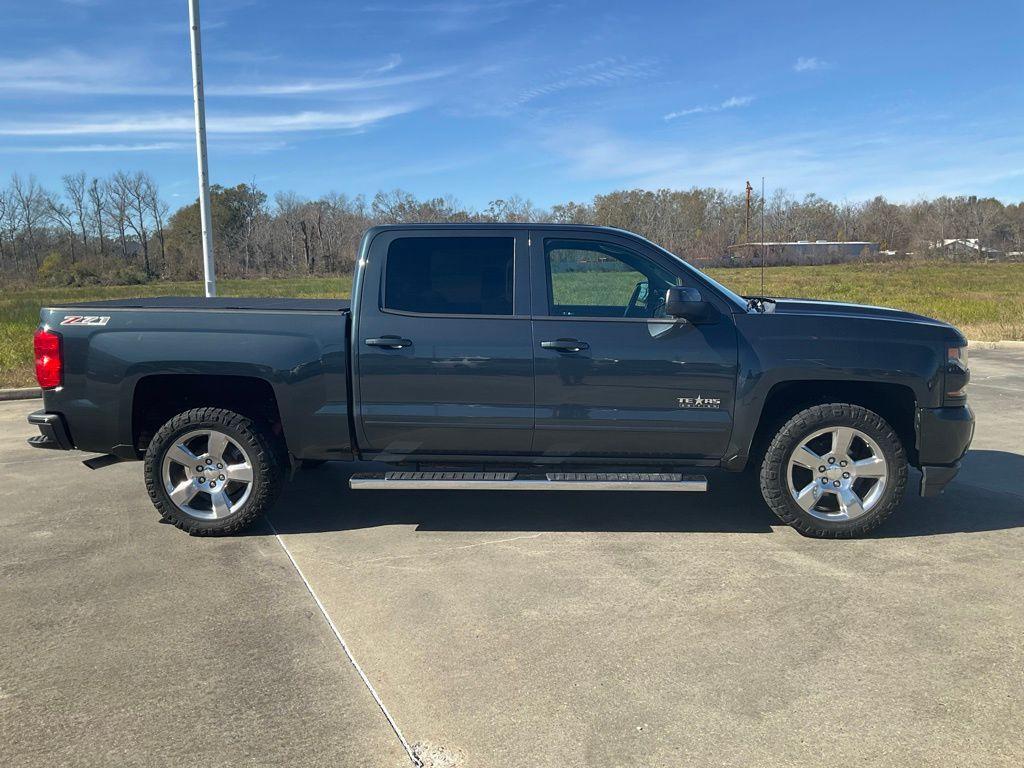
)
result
[(549, 100)]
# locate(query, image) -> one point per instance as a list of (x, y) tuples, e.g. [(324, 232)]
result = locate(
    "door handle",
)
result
[(389, 342), (565, 345)]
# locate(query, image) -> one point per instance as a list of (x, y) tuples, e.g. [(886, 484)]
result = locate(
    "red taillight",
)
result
[(49, 365)]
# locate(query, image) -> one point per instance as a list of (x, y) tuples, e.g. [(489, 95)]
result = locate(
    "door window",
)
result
[(587, 278), (450, 275)]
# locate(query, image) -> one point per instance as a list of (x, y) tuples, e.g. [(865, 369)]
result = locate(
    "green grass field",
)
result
[(986, 301)]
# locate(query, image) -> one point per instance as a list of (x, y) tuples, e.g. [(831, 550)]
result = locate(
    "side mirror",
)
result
[(686, 303)]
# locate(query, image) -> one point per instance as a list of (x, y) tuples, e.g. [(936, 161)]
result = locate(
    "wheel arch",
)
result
[(157, 398), (896, 403)]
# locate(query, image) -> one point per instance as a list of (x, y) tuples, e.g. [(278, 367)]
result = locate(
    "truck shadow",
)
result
[(987, 495), (320, 500)]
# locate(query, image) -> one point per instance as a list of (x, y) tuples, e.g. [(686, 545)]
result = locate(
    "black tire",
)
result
[(792, 434), (260, 449)]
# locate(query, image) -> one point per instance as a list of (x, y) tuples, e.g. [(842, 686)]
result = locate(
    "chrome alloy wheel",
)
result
[(837, 473), (207, 474)]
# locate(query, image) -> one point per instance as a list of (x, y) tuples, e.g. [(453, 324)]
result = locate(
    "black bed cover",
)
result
[(198, 302)]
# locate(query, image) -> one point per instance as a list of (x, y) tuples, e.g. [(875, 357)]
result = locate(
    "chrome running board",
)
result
[(514, 481)]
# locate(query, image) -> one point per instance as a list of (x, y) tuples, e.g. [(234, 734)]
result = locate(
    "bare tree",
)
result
[(30, 205), (157, 212), (76, 193), (8, 228), (289, 210), (97, 197), (514, 208), (133, 190), (64, 218), (116, 209)]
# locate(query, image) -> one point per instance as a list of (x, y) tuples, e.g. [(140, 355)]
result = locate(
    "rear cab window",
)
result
[(450, 275)]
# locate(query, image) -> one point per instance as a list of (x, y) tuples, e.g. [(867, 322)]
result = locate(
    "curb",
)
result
[(28, 393), (995, 344)]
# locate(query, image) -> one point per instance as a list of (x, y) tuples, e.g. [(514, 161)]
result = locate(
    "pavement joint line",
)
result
[(344, 647)]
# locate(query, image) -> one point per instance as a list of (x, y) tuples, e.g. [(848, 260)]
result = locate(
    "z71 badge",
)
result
[(700, 402), (85, 320)]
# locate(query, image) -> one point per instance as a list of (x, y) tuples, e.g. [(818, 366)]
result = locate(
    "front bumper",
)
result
[(943, 437), (53, 433)]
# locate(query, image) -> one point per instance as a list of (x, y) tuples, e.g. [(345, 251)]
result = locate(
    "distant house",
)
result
[(805, 251), (963, 246)]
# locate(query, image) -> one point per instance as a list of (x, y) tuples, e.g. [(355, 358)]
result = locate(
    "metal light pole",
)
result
[(204, 171)]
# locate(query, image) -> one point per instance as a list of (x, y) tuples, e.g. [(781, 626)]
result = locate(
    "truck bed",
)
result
[(199, 302), (292, 353)]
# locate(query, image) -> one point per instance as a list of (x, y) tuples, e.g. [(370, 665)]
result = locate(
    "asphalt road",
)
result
[(498, 630)]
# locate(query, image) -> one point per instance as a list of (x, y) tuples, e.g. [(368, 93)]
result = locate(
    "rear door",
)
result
[(615, 377), (443, 356)]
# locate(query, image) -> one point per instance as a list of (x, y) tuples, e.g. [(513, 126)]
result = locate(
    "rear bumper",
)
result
[(53, 433), (943, 437)]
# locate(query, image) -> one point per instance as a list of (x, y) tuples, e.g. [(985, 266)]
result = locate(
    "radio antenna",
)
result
[(762, 236)]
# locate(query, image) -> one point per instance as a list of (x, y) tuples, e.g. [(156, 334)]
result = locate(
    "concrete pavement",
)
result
[(555, 630), (123, 642)]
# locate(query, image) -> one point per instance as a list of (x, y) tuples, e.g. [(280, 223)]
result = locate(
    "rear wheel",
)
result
[(212, 471), (834, 471)]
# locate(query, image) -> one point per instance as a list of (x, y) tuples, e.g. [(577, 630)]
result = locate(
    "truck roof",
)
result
[(502, 225)]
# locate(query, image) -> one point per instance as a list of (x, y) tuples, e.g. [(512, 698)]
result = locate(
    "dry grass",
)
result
[(985, 301)]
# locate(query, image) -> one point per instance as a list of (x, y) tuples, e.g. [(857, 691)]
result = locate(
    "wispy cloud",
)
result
[(809, 63), (605, 72), (447, 16), (393, 61), (731, 103), (848, 164), (175, 123), (68, 71), (301, 87), (161, 146), (606, 157), (241, 56), (307, 121), (736, 101)]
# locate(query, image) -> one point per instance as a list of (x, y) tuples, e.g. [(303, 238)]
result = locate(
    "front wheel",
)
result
[(212, 471), (834, 471)]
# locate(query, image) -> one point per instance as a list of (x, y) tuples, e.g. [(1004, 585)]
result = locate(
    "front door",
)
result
[(443, 353), (616, 378)]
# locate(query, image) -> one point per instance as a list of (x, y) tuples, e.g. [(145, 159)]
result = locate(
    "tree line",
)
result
[(119, 230)]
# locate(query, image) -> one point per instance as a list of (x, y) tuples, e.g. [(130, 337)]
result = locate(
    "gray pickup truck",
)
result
[(511, 357)]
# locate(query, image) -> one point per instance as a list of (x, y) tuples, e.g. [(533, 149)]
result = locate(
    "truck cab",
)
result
[(546, 343)]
